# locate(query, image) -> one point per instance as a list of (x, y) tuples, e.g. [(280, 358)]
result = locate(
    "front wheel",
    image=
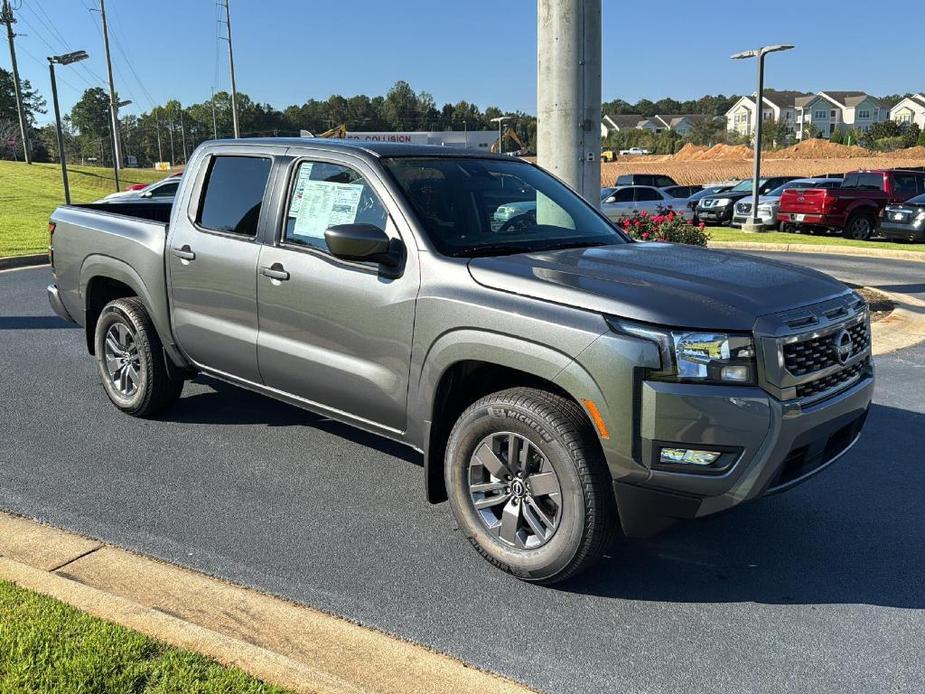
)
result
[(528, 485), (130, 360)]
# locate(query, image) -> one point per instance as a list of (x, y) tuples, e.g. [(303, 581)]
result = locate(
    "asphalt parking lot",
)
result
[(816, 590)]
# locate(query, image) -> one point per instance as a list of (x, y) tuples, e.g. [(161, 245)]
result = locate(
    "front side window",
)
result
[(233, 194), (324, 195), (469, 206), (647, 195)]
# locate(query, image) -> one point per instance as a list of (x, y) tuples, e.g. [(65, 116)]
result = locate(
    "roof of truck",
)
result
[(376, 149)]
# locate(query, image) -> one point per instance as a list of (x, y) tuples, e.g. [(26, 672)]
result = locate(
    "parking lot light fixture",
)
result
[(500, 121), (754, 223), (65, 59)]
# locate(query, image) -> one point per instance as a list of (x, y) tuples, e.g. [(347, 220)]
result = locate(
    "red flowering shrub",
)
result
[(664, 226)]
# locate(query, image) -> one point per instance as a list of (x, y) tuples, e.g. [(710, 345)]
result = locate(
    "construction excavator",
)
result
[(339, 131), (510, 134)]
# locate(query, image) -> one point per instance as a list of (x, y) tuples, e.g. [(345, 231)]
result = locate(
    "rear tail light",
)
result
[(51, 250)]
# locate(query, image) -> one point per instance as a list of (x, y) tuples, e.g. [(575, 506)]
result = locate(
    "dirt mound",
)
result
[(689, 152), (917, 152), (820, 149)]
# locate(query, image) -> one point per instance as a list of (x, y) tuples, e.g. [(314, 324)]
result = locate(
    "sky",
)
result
[(483, 51)]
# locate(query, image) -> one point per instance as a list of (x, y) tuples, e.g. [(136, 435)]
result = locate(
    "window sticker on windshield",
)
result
[(323, 204), (305, 173)]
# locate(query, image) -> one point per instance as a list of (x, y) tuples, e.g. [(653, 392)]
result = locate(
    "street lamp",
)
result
[(753, 224), (500, 121), (65, 59)]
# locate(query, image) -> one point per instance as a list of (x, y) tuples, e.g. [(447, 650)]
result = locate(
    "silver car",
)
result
[(769, 204), (160, 191), (628, 200)]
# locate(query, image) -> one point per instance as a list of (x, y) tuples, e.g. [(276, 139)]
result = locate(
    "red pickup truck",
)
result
[(853, 207)]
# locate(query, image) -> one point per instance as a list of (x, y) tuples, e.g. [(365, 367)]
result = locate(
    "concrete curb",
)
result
[(858, 251), (904, 327), (293, 646), (17, 261)]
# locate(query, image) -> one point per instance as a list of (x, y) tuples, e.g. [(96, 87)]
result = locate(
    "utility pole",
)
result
[(234, 88), (6, 17), (568, 74), (173, 156), (157, 129), (113, 103), (214, 121), (183, 136)]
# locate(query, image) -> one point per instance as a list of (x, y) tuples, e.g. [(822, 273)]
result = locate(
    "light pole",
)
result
[(65, 59), (500, 121), (753, 224)]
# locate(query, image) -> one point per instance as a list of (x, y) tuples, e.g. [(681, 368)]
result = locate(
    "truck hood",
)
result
[(661, 283)]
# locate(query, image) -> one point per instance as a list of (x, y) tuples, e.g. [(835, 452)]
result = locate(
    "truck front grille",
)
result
[(833, 382), (743, 207), (815, 352), (818, 353)]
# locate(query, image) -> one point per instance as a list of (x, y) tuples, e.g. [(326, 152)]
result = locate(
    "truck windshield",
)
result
[(471, 206)]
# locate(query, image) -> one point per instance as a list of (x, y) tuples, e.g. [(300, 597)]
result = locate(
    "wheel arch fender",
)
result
[(98, 266), (523, 361)]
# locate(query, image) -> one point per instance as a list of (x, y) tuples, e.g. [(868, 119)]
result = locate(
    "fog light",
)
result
[(736, 374), (686, 456)]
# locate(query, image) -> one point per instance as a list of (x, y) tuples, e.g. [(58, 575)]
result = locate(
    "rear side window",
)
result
[(625, 180), (233, 194), (663, 181), (871, 181)]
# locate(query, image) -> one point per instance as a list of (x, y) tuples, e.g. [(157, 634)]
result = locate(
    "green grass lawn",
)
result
[(47, 646), (730, 234), (29, 194)]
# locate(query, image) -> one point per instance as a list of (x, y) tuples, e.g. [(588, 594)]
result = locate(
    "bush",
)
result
[(921, 139), (665, 226)]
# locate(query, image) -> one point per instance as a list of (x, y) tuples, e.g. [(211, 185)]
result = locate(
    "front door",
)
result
[(335, 333), (212, 260)]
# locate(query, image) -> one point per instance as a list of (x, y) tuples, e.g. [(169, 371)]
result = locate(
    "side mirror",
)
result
[(612, 198), (364, 243), (147, 194)]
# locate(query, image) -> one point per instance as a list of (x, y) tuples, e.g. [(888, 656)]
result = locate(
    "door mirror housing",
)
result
[(147, 194), (363, 243), (611, 199)]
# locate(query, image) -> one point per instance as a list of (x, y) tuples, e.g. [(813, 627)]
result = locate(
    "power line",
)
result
[(48, 23)]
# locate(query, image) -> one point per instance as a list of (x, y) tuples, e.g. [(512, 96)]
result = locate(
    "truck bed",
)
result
[(123, 241)]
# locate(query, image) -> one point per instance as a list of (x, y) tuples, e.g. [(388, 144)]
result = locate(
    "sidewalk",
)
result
[(289, 645)]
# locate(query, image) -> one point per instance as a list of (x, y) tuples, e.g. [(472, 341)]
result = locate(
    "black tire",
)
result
[(154, 388), (558, 430), (860, 226)]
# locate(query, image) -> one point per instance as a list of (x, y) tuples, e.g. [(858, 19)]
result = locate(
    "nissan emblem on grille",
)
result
[(843, 345)]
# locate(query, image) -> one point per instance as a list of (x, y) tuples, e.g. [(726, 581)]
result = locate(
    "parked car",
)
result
[(708, 189), (142, 186), (855, 206), (769, 204), (626, 201), (718, 207), (904, 221), (633, 151), (682, 191), (654, 180), (560, 381), (161, 190)]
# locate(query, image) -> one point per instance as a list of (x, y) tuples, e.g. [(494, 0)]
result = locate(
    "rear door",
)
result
[(336, 333), (212, 263), (649, 200)]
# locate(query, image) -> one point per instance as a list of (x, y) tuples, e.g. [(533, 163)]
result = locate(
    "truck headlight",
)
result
[(721, 202), (696, 356)]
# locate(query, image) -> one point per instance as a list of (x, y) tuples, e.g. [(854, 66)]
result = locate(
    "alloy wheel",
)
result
[(515, 490), (123, 363)]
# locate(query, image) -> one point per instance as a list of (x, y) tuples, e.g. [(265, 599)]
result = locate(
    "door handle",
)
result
[(275, 272), (184, 253)]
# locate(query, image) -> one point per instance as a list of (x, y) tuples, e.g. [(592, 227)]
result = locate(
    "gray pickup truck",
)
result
[(563, 382)]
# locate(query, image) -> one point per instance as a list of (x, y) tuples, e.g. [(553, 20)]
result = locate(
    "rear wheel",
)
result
[(860, 226), (528, 485), (130, 360)]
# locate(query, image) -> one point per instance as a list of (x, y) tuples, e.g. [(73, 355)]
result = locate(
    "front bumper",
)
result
[(715, 214), (56, 304), (777, 444)]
